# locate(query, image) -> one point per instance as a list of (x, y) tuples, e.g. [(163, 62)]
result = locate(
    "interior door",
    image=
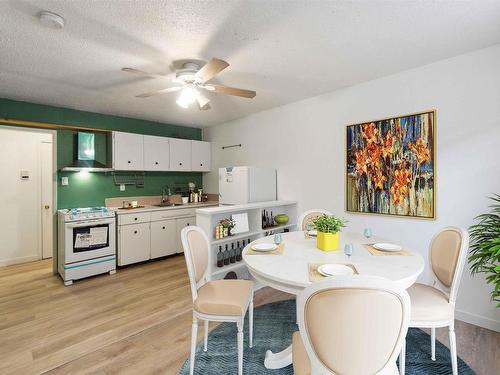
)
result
[(47, 194)]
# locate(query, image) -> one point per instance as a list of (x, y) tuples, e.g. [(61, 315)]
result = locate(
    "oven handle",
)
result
[(79, 224)]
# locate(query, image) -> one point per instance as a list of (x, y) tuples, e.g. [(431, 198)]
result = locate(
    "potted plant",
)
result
[(484, 247), (228, 225), (328, 228)]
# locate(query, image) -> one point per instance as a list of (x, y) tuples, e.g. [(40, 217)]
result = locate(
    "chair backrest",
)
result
[(447, 255), (353, 325), (308, 216), (197, 255)]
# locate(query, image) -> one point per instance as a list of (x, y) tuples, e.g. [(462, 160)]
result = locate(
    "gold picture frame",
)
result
[(390, 166)]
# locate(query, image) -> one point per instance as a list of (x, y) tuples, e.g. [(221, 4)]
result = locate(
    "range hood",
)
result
[(84, 158)]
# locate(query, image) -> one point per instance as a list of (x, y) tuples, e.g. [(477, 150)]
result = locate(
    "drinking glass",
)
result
[(348, 249), (278, 238), (367, 232)]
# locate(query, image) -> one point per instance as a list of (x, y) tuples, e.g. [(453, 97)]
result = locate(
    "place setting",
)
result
[(267, 248), (383, 248)]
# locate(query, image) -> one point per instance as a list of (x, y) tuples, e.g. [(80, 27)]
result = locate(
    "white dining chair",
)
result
[(352, 325), (217, 300), (306, 217), (433, 306)]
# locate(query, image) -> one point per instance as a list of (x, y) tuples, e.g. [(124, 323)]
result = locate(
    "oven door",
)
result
[(89, 239)]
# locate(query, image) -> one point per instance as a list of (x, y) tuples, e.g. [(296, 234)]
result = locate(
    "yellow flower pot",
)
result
[(327, 241)]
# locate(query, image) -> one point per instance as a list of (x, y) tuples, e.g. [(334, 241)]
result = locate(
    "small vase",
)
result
[(327, 241)]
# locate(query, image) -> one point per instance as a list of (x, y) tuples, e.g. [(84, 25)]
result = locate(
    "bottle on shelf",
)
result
[(238, 251), (220, 258), (232, 258), (226, 256), (271, 220)]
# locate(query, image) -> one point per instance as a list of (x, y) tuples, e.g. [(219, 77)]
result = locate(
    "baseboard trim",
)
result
[(9, 262), (478, 320)]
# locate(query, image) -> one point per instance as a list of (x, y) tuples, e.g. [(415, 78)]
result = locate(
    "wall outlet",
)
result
[(64, 181), (122, 187)]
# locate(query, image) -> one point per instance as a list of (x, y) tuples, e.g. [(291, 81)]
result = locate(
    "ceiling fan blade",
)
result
[(203, 102), (158, 92), (143, 73), (211, 69), (232, 91)]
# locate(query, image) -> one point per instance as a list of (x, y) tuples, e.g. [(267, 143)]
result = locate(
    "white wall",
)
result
[(20, 222), (305, 142)]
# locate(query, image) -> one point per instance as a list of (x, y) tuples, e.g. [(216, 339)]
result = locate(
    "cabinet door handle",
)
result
[(201, 164), (135, 218), (188, 224), (129, 162), (135, 232), (163, 227), (180, 163), (156, 162)]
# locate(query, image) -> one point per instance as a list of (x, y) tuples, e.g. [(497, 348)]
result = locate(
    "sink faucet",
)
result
[(165, 194)]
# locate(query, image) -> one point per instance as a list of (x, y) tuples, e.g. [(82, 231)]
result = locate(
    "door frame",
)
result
[(54, 190)]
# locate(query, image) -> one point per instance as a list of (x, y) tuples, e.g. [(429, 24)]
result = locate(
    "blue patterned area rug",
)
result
[(274, 324)]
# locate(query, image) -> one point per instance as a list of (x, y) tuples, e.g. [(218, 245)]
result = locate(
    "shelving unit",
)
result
[(208, 218)]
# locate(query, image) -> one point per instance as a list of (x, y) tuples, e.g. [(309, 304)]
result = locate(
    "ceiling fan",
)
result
[(192, 79)]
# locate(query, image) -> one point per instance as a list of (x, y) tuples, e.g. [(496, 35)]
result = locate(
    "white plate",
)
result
[(335, 270), (312, 233), (264, 247), (382, 246)]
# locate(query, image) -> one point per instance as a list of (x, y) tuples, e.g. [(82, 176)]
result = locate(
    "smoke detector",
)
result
[(50, 19)]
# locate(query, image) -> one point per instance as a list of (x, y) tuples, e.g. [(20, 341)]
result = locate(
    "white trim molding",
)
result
[(478, 320)]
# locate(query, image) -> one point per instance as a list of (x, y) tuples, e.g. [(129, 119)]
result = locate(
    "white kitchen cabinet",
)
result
[(181, 223), (156, 153), (133, 243), (128, 151), (164, 238), (180, 154), (200, 156)]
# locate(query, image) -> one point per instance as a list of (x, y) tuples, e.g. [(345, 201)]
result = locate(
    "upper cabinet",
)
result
[(180, 154), (200, 156), (128, 151), (156, 153), (137, 152)]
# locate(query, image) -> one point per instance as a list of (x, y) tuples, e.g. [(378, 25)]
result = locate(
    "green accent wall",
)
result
[(86, 190)]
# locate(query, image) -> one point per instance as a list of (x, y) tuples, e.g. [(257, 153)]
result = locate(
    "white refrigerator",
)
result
[(240, 185)]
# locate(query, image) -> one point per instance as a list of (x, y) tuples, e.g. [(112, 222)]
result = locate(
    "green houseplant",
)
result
[(484, 254), (328, 228)]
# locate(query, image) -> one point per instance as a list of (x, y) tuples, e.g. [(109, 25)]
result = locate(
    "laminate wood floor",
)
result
[(134, 322)]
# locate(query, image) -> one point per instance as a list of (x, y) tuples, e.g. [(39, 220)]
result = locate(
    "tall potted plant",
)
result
[(328, 228), (484, 254)]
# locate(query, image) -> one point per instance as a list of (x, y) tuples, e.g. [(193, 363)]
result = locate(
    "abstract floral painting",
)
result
[(391, 165)]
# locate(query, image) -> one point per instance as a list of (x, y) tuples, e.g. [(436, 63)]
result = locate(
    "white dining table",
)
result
[(289, 272)]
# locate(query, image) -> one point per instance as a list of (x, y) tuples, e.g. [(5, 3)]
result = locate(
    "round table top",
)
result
[(289, 271)]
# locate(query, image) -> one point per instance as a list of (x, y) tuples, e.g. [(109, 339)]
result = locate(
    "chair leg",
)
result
[(205, 343), (402, 358), (250, 324), (194, 332), (453, 349), (240, 347), (433, 343)]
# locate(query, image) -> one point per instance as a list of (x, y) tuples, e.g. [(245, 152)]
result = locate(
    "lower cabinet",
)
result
[(134, 243), (151, 239), (181, 223), (164, 238)]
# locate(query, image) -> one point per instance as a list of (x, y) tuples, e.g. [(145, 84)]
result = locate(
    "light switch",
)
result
[(64, 181), (122, 187)]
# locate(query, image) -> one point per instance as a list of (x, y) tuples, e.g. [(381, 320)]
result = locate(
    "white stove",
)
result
[(76, 214), (86, 242)]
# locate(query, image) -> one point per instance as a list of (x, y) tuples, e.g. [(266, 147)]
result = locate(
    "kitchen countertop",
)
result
[(121, 211)]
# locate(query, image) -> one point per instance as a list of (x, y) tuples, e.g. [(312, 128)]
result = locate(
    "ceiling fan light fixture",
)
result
[(187, 97)]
